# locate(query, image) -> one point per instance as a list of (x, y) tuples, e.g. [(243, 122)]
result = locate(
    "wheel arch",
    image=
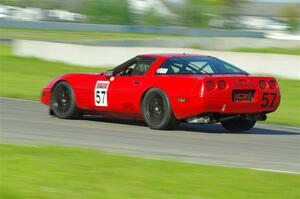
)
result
[(72, 111), (55, 84), (168, 122), (149, 89)]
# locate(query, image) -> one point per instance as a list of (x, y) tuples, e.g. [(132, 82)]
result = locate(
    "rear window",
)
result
[(197, 65)]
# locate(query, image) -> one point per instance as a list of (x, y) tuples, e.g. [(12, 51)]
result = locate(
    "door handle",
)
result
[(136, 82)]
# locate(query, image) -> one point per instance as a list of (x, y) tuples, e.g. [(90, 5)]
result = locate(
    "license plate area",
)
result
[(242, 95)]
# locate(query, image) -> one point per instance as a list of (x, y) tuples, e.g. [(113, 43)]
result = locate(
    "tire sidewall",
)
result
[(167, 109), (72, 110)]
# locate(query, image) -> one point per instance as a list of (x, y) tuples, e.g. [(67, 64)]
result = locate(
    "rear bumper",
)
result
[(227, 106), (221, 105)]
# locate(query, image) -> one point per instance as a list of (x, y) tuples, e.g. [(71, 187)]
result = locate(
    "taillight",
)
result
[(221, 84), (272, 84), (210, 85), (262, 84)]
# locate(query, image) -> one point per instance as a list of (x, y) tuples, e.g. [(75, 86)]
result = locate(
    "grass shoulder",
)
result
[(293, 51), (61, 172)]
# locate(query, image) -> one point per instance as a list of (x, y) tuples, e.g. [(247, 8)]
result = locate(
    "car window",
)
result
[(197, 65), (137, 67), (206, 67)]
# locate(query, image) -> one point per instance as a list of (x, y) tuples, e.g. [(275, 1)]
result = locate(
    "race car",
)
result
[(166, 89)]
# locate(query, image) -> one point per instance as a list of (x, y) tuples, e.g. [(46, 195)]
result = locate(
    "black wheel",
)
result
[(63, 101), (157, 110), (238, 124)]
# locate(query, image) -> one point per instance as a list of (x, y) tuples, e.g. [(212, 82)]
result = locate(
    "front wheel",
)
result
[(63, 101), (157, 110), (238, 124)]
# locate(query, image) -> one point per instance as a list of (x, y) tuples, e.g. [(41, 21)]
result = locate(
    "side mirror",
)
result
[(109, 73)]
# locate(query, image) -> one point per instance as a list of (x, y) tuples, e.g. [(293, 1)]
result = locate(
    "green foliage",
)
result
[(50, 172), (293, 25), (98, 11), (292, 13), (194, 14), (107, 11), (45, 4), (152, 18)]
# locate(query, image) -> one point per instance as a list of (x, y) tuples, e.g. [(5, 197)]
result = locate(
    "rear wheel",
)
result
[(238, 124), (63, 101), (157, 110)]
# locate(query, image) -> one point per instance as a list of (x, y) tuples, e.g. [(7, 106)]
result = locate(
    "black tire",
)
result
[(63, 101), (157, 111), (238, 124)]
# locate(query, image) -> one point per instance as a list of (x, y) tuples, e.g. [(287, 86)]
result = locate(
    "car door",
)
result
[(126, 86), (121, 92)]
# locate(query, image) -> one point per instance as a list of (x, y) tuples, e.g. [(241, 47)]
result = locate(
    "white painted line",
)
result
[(275, 170), (15, 99)]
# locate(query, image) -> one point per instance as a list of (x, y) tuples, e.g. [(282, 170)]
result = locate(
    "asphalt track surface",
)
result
[(265, 147)]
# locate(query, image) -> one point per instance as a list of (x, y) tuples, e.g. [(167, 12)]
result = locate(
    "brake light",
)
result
[(272, 84), (221, 84), (210, 85), (262, 84)]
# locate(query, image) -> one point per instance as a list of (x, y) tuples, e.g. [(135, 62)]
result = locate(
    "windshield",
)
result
[(197, 65)]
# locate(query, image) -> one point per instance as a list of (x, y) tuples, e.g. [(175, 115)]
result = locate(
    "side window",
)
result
[(127, 70), (142, 66), (176, 66), (180, 66), (170, 66), (230, 69), (138, 67), (203, 66)]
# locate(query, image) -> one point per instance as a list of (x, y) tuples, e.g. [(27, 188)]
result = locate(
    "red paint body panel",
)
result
[(188, 94)]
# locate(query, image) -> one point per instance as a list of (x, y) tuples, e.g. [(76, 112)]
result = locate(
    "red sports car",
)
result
[(165, 89)]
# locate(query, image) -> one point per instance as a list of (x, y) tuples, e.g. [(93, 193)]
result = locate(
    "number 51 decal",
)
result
[(266, 100), (100, 94)]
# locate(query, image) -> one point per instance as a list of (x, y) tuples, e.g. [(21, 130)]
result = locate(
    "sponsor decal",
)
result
[(162, 71), (100, 93)]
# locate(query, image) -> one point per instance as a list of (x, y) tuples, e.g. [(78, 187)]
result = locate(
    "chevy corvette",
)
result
[(166, 89)]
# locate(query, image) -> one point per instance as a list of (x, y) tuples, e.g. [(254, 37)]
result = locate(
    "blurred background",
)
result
[(41, 39), (263, 15)]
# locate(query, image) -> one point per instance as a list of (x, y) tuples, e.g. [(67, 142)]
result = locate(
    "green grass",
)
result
[(288, 112), (64, 35), (25, 77), (294, 51), (52, 172)]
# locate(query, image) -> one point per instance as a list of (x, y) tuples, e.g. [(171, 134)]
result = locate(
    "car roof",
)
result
[(170, 55)]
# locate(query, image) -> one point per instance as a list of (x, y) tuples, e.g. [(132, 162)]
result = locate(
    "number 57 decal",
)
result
[(266, 100), (100, 93)]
